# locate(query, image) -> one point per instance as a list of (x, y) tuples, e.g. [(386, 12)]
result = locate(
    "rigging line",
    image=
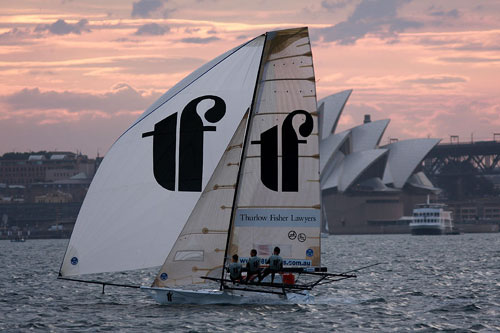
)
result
[(100, 282), (358, 269)]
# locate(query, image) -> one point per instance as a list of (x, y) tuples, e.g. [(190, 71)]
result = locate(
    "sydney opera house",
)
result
[(366, 187)]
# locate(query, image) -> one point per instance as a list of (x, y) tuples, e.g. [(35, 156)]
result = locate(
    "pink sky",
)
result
[(76, 73)]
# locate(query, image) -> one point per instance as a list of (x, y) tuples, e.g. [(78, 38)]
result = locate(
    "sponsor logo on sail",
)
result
[(290, 152), (190, 145)]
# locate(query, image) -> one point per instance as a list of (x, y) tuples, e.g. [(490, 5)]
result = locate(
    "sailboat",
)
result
[(225, 162)]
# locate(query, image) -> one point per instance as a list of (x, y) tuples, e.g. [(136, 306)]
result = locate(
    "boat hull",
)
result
[(426, 231), (170, 296)]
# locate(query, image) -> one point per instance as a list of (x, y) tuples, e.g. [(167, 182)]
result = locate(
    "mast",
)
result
[(247, 137)]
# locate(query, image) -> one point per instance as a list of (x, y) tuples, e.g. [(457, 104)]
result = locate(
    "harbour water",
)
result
[(426, 283)]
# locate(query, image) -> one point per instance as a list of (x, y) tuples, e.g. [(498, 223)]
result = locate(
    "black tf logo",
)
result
[(290, 153), (190, 145)]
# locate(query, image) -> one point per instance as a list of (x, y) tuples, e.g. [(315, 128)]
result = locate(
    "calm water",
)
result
[(428, 283)]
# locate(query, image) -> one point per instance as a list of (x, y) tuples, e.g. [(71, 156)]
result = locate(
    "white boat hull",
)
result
[(426, 230), (168, 296)]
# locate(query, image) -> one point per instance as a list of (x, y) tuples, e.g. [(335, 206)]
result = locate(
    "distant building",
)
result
[(77, 186), (26, 176), (54, 197), (27, 168), (41, 193)]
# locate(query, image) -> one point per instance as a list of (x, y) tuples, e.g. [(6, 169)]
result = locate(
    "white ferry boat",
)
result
[(431, 219)]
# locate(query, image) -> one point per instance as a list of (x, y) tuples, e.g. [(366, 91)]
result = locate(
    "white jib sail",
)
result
[(199, 249), (152, 177), (278, 194)]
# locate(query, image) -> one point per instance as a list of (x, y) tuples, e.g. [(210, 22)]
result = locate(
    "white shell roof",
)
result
[(404, 157), (330, 109), (329, 146), (363, 137), (346, 172), (367, 136), (420, 180)]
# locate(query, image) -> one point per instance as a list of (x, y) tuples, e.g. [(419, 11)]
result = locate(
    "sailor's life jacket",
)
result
[(235, 270), (275, 263), (253, 264)]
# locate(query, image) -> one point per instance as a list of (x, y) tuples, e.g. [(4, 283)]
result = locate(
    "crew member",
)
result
[(234, 269), (275, 263), (253, 266)]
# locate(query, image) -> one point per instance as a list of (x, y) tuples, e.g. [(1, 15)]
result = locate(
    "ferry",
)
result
[(431, 219)]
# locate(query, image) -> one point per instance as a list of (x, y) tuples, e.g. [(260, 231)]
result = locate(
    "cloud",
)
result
[(154, 65), (152, 29), (332, 5), (454, 13), (431, 41), (38, 72), (138, 65), (464, 43), (126, 40), (377, 17), (436, 80), (60, 27), (469, 116), (468, 59), (167, 12), (88, 132), (416, 83), (200, 40), (144, 8), (478, 47), (122, 97), (15, 36)]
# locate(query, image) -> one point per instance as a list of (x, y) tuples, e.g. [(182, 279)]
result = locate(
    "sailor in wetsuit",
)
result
[(234, 269), (275, 263), (253, 265)]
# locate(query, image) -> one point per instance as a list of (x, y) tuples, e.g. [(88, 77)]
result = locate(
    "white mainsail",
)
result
[(143, 193), (278, 195)]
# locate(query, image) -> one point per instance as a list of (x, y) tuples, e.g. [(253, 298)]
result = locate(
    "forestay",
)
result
[(152, 177), (278, 194)]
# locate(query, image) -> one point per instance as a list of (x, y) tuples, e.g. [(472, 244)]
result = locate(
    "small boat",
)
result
[(18, 240), (225, 162), (431, 219)]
